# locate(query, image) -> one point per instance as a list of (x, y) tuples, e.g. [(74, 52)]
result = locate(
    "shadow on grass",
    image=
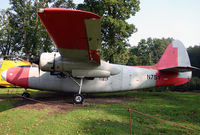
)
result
[(108, 127), (12, 98)]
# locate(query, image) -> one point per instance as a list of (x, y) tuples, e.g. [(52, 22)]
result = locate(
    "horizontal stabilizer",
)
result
[(180, 69)]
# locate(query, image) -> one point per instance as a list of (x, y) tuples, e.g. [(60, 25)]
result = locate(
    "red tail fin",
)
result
[(169, 58), (174, 56)]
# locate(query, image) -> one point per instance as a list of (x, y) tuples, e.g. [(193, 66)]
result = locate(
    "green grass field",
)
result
[(97, 119)]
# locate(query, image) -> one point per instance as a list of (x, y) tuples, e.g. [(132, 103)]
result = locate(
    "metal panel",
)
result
[(183, 58), (93, 30)]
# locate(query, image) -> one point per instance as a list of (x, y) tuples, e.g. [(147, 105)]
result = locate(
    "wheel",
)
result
[(26, 95), (78, 99)]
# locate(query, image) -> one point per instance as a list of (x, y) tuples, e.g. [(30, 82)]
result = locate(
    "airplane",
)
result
[(6, 64), (77, 66)]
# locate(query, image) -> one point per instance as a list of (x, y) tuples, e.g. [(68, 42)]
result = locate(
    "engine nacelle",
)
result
[(53, 62), (48, 61)]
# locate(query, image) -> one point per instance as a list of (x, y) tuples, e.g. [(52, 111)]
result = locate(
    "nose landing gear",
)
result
[(25, 94)]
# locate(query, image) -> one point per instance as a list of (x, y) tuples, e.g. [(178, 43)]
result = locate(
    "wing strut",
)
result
[(81, 83)]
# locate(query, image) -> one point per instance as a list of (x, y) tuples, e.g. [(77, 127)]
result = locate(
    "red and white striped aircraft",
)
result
[(77, 66)]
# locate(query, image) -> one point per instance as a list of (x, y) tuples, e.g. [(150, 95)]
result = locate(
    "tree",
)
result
[(149, 51), (133, 59), (194, 54), (29, 35), (64, 4), (5, 34), (115, 29)]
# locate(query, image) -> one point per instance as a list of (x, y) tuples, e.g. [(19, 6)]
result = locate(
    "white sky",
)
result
[(179, 19)]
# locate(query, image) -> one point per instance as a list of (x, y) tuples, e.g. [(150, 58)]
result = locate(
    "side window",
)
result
[(1, 64)]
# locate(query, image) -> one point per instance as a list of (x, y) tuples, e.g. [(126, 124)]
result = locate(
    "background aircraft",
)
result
[(5, 64), (77, 66)]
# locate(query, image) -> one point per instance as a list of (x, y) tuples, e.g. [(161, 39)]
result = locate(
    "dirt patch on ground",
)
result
[(54, 107), (198, 93), (62, 103), (53, 102)]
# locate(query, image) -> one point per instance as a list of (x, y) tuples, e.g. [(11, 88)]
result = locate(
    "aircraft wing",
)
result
[(180, 69), (76, 33)]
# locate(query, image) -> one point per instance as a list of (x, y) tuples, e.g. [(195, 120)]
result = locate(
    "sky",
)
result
[(179, 19)]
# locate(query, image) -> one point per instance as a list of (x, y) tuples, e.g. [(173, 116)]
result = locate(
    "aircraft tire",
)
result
[(78, 99), (26, 95)]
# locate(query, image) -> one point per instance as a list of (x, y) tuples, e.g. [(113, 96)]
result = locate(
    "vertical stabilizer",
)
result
[(174, 56)]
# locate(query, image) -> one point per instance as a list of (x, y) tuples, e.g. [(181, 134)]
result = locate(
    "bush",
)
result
[(193, 84)]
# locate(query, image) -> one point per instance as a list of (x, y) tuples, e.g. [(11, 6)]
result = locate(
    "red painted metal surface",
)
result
[(94, 55), (66, 27), (169, 58), (169, 78), (18, 76)]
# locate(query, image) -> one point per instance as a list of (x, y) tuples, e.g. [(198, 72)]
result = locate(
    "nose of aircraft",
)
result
[(17, 75), (4, 74)]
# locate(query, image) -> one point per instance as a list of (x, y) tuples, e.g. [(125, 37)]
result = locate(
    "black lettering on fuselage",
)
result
[(153, 77)]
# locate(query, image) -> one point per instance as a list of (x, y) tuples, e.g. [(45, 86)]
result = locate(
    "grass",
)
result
[(177, 107)]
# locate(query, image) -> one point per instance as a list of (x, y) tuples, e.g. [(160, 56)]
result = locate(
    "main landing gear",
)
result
[(78, 98), (25, 94)]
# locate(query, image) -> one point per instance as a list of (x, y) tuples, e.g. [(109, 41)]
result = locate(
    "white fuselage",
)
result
[(129, 78)]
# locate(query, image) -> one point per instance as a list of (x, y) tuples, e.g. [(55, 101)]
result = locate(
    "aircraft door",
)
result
[(116, 82), (127, 75)]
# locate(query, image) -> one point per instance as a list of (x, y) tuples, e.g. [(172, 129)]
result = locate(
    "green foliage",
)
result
[(115, 29), (7, 46), (149, 51), (194, 54), (64, 4), (192, 85), (24, 34)]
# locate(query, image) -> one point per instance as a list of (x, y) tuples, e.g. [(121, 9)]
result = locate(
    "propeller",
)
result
[(36, 60), (42, 50)]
